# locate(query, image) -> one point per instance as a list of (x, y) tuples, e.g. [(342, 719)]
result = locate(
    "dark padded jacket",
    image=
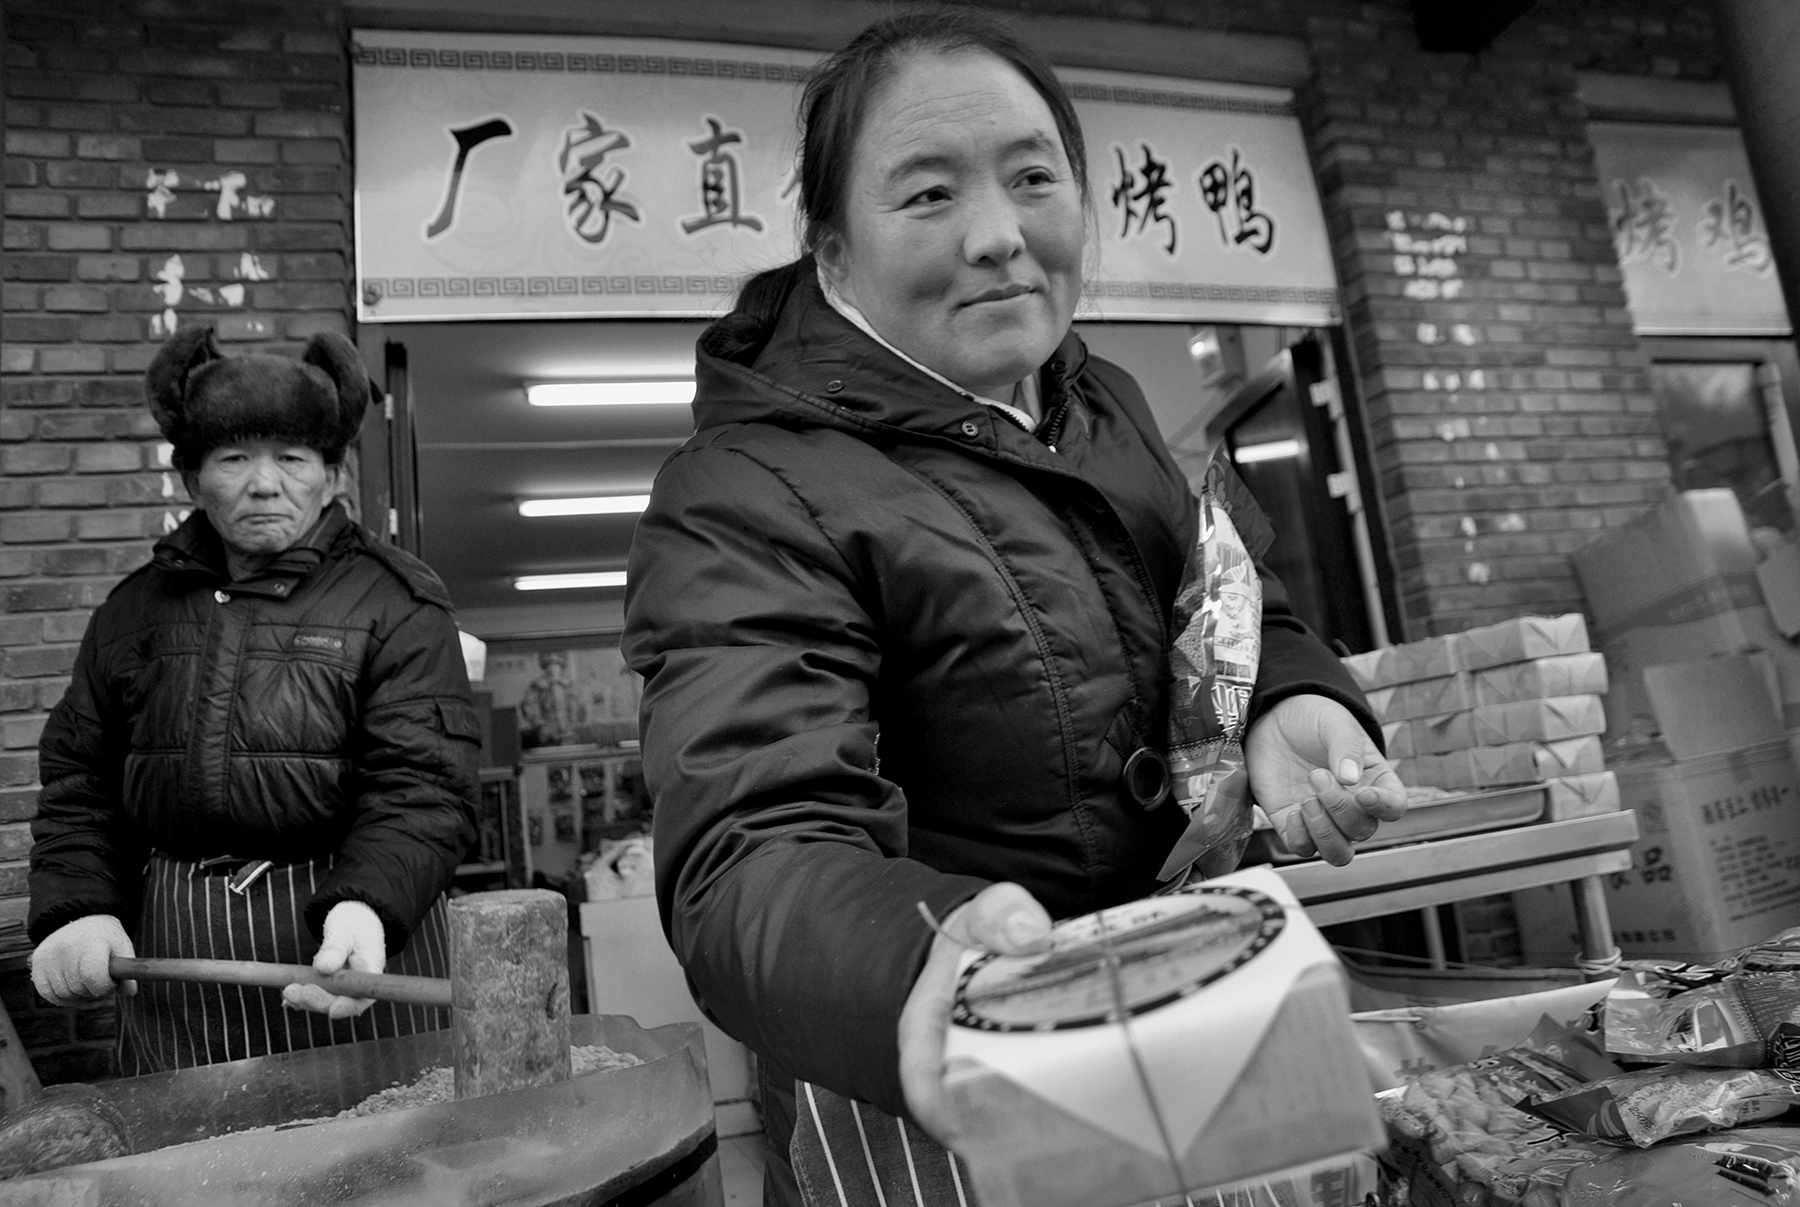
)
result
[(320, 708), (847, 551)]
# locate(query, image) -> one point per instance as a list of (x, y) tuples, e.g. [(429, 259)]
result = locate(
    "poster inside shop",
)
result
[(1688, 227), (566, 697), (519, 176)]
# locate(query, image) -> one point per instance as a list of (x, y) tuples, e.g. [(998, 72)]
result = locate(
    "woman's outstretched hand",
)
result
[(1320, 779), (1003, 918)]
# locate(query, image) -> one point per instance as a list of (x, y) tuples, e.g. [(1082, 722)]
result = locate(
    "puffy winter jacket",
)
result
[(896, 649), (320, 708)]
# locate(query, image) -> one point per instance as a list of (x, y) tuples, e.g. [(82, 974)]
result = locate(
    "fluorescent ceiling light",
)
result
[(570, 582), (610, 393), (1274, 450), (589, 505)]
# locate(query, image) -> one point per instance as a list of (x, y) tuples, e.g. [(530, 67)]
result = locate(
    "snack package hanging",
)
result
[(1644, 1107), (1212, 665)]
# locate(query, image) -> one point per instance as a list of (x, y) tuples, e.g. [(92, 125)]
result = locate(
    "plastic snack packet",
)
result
[(1465, 1116), (1752, 1167), (1536, 1177), (1218, 645), (1745, 1020), (1670, 1100)]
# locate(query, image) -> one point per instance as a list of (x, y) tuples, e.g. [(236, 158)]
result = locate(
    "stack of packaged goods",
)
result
[(1680, 1089), (1513, 703)]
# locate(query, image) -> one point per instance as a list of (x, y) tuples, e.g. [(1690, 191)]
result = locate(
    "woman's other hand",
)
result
[(1003, 918), (354, 938), (1319, 778), (71, 965)]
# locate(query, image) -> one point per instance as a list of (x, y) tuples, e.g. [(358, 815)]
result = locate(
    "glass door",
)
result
[(1725, 414)]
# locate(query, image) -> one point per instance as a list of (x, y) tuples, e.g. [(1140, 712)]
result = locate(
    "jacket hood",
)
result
[(817, 370)]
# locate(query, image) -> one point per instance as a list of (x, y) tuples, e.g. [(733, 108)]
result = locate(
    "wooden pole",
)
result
[(509, 990), (382, 986)]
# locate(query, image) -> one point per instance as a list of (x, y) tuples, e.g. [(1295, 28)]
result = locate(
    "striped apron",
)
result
[(849, 1154), (190, 910)]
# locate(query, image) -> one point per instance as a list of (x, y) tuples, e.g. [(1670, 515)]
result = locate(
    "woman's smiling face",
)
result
[(963, 226)]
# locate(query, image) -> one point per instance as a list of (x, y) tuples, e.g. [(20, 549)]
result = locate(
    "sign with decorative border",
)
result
[(519, 176)]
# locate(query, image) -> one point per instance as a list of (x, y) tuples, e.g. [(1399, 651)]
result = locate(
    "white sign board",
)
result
[(1205, 202), (1689, 230), (518, 176)]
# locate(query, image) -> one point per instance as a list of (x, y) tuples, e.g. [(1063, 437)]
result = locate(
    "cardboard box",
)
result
[(1252, 1061), (1521, 640), (1717, 866), (1440, 735), (1677, 584), (1537, 720), (1572, 796), (1582, 674), (1714, 871), (1432, 658)]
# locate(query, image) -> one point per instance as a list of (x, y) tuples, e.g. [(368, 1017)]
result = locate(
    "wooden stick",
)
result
[(386, 987)]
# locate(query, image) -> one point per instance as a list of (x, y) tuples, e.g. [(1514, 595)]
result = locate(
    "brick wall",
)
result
[(1508, 402), (168, 163)]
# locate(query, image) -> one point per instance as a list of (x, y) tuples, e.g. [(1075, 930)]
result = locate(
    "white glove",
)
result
[(70, 966), (354, 938)]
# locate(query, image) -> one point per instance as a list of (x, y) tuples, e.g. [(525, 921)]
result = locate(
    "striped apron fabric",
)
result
[(849, 1154), (191, 911)]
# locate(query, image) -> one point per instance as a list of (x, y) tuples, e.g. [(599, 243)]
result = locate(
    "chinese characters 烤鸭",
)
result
[(592, 194), (1145, 185), (467, 138), (1643, 224), (1730, 220), (1233, 189), (721, 188)]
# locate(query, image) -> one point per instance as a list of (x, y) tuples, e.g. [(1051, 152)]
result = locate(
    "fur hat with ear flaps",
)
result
[(202, 399)]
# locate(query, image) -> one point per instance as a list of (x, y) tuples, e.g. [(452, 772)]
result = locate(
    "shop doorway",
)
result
[(1206, 389), (1288, 435)]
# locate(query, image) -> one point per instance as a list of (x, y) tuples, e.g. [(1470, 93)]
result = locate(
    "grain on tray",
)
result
[(437, 1085)]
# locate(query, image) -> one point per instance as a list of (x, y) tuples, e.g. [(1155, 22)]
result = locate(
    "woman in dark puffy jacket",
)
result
[(903, 604), (268, 747)]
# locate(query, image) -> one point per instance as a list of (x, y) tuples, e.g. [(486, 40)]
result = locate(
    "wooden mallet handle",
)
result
[(382, 986)]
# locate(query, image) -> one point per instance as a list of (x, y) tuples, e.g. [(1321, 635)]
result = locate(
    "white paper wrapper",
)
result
[(1234, 1055)]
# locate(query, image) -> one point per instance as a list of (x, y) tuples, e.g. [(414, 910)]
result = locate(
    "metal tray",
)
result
[(1444, 817), (645, 1131)]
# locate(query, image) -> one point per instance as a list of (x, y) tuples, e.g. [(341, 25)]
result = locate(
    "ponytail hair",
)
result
[(759, 301)]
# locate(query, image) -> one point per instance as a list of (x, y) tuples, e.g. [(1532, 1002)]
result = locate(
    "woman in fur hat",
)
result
[(268, 748)]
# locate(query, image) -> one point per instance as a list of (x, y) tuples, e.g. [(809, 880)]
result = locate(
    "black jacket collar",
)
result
[(817, 369), (195, 547)]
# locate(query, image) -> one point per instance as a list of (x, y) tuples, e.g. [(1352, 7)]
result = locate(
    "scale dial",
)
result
[(1160, 949)]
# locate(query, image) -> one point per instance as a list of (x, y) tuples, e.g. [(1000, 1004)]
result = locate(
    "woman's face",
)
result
[(262, 496), (963, 226)]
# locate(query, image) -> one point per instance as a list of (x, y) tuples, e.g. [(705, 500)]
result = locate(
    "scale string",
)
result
[(1109, 960)]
